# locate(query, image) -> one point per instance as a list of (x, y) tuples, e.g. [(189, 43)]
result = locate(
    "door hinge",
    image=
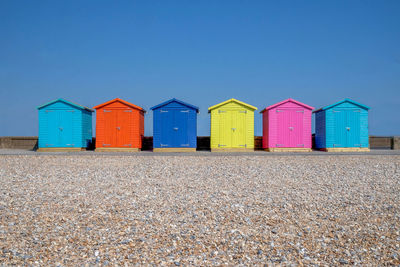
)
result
[(243, 145), (219, 145), (127, 145), (163, 145), (357, 110), (127, 110), (278, 145), (279, 110), (163, 111), (107, 110), (301, 111), (335, 110), (49, 110), (69, 144), (49, 145), (300, 145), (70, 110), (221, 111), (184, 110), (185, 145), (242, 111), (106, 144)]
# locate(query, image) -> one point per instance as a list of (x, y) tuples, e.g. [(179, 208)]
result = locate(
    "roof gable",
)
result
[(286, 101), (66, 102), (121, 101), (177, 101), (341, 102), (229, 101)]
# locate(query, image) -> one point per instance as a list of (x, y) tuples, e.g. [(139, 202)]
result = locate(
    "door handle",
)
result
[(233, 129), (291, 128), (118, 128), (61, 128), (348, 128), (176, 128)]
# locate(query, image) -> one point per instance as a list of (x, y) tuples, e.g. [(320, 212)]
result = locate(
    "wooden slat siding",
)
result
[(215, 121), (214, 138), (380, 142), (43, 128), (320, 130), (329, 128), (87, 130), (307, 121), (396, 143), (78, 125), (135, 124), (265, 129), (272, 132), (364, 132)]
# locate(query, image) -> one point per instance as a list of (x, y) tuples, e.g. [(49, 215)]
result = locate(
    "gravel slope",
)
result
[(68, 210)]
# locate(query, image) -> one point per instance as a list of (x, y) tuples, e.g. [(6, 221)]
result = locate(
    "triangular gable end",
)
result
[(340, 102), (285, 101), (229, 101), (177, 101), (66, 102), (121, 101)]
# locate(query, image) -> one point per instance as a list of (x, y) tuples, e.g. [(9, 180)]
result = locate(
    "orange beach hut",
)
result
[(119, 126)]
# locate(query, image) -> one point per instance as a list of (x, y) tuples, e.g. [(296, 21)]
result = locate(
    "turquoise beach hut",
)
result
[(342, 126), (64, 126)]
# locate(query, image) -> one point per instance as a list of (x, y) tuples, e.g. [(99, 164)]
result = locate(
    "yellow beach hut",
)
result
[(232, 126)]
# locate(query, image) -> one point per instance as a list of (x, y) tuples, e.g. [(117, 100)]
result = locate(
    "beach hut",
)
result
[(232, 126), (287, 127), (174, 126), (342, 126), (64, 126), (119, 126)]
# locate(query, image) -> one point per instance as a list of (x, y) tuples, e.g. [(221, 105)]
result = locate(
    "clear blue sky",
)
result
[(202, 52)]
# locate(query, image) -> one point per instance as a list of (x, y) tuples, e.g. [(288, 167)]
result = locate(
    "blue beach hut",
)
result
[(64, 126), (174, 126), (342, 126)]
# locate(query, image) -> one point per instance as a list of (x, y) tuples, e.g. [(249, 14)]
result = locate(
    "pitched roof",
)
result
[(177, 101), (231, 100), (67, 102), (340, 102), (119, 100), (285, 101)]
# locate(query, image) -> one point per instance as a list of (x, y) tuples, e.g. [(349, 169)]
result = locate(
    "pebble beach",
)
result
[(68, 210)]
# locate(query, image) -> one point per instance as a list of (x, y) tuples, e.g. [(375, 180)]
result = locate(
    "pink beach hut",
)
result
[(287, 127)]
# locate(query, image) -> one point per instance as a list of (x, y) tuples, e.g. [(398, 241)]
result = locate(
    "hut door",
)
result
[(340, 135), (166, 131), (110, 131), (347, 128), (296, 128), (283, 124), (353, 128), (180, 128), (238, 128), (122, 128), (225, 128), (60, 129), (53, 128)]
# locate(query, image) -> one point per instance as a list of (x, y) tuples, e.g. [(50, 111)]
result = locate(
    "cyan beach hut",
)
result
[(342, 126), (64, 126), (174, 126), (287, 127)]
